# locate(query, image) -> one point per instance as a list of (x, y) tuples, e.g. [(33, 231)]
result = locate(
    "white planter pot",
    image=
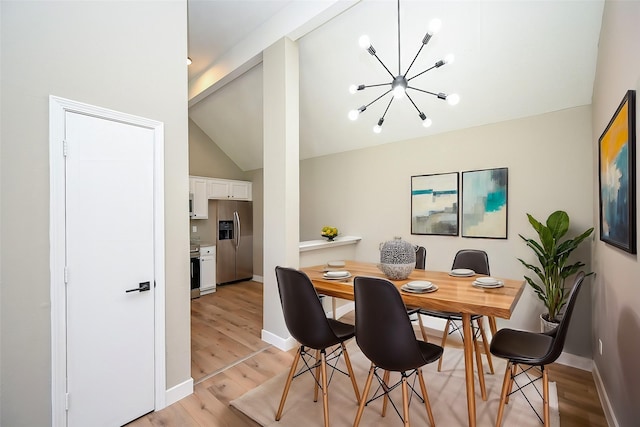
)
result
[(545, 325)]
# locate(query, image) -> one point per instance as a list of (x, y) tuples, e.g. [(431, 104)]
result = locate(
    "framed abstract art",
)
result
[(617, 176), (484, 203), (434, 204)]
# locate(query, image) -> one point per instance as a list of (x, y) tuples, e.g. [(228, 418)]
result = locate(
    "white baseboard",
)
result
[(574, 361), (178, 392), (342, 310), (284, 344), (604, 398), (257, 278)]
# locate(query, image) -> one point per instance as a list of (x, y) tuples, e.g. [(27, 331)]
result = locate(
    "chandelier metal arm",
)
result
[(428, 69), (378, 99), (439, 95), (376, 85), (414, 104), (382, 63), (387, 109), (414, 60)]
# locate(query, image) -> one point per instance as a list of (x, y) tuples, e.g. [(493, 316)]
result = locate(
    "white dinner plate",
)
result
[(487, 280), (333, 276), (463, 272), (419, 285), (498, 284), (405, 288), (335, 264)]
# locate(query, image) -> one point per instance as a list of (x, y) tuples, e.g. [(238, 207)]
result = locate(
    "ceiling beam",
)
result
[(293, 21)]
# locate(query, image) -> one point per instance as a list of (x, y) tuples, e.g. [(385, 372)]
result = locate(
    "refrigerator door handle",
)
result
[(236, 218)]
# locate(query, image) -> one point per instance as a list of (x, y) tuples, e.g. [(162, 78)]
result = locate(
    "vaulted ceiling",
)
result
[(513, 59)]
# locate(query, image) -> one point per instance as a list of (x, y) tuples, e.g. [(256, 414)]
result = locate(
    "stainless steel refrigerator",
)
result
[(234, 241)]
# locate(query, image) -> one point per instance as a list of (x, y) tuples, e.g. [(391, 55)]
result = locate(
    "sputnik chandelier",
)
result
[(399, 85)]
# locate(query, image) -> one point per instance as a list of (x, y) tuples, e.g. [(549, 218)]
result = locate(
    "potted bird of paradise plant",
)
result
[(554, 266)]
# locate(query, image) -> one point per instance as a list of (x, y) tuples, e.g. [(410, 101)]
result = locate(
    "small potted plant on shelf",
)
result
[(553, 268), (329, 232)]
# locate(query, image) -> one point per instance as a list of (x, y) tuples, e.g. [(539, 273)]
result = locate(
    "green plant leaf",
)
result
[(558, 224)]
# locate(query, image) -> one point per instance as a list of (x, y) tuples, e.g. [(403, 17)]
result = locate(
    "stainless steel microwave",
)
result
[(190, 205)]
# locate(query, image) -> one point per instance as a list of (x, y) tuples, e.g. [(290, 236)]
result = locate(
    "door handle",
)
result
[(144, 286)]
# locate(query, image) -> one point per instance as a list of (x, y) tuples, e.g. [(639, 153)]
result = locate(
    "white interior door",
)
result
[(109, 193)]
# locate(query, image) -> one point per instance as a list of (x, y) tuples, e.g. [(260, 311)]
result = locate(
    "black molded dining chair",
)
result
[(390, 343), (421, 257), (533, 350), (477, 261), (309, 325)]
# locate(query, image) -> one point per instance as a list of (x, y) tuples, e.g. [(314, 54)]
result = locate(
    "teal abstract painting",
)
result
[(484, 203)]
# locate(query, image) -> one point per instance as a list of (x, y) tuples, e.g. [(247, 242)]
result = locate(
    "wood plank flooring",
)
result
[(229, 359)]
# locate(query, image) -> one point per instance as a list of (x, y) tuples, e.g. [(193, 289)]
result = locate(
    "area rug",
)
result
[(446, 390)]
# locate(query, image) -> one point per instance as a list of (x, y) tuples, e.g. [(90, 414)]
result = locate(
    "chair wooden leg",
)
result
[(347, 361), (423, 330), (292, 371), (485, 343), (503, 395), (444, 341), (405, 400), (514, 371), (385, 398), (493, 326), (476, 350), (317, 378), (365, 393), (325, 388), (427, 404), (545, 397)]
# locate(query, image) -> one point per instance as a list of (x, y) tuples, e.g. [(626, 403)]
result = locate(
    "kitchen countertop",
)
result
[(312, 245)]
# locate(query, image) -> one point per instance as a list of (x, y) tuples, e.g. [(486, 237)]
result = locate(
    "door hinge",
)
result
[(66, 401), (65, 148), (66, 274)]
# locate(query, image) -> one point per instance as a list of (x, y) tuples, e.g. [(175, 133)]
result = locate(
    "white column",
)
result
[(281, 179)]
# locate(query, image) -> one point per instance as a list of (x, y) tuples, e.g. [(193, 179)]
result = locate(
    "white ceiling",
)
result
[(513, 59)]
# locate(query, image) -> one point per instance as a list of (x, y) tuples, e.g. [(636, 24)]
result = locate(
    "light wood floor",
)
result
[(229, 359)]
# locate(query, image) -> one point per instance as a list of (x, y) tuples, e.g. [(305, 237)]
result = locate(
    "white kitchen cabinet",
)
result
[(218, 189), (240, 190), (228, 189), (198, 190)]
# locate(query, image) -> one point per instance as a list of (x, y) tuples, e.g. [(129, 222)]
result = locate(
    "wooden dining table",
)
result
[(454, 294)]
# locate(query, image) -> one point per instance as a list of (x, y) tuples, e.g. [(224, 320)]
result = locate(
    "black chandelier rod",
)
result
[(438, 64), (414, 104), (399, 69), (387, 109), (365, 107), (362, 87), (439, 95), (372, 51)]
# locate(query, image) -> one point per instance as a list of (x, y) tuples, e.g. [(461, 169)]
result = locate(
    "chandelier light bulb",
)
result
[(426, 122), (364, 41), (434, 26), (453, 99), (353, 114), (353, 89), (449, 59), (189, 61), (398, 92), (377, 129)]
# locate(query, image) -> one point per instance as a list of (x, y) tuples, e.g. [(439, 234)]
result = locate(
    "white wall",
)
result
[(367, 193), (127, 56), (616, 291)]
